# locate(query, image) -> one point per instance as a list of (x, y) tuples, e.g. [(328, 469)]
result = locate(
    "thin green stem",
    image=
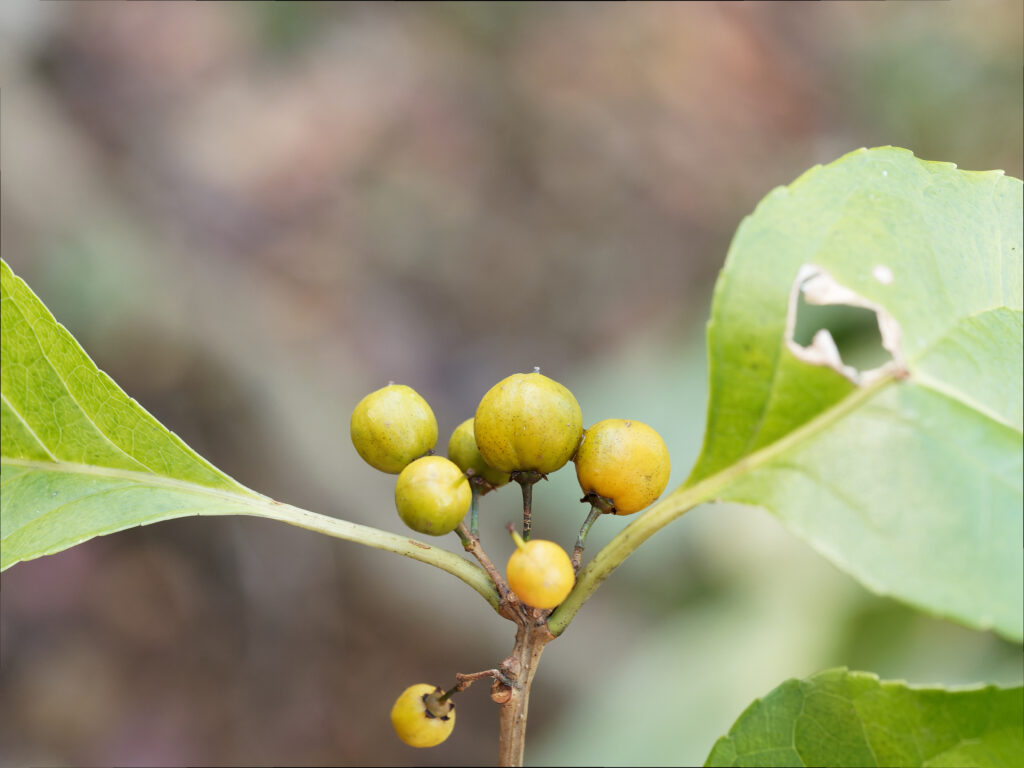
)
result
[(581, 540), (623, 545), (449, 693), (458, 566), (191, 499), (459, 687), (527, 509)]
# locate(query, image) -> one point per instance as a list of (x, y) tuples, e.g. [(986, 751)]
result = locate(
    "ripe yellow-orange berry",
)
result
[(539, 572), (625, 462), (420, 719)]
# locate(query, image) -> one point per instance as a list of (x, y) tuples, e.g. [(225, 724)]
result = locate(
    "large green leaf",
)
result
[(840, 718), (908, 478), (79, 458)]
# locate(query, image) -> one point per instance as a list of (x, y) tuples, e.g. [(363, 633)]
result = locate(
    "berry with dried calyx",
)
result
[(421, 718), (623, 462)]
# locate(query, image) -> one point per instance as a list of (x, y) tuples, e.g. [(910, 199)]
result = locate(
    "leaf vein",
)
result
[(27, 426), (45, 356)]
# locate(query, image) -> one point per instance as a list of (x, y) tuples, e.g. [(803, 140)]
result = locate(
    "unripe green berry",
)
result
[(393, 426), (420, 719), (540, 572), (463, 451), (625, 462), (528, 422), (432, 495)]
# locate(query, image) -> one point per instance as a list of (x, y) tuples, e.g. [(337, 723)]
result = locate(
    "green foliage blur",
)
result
[(253, 214)]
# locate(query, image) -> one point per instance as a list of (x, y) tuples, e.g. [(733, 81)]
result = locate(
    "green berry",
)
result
[(432, 495), (393, 426), (463, 451), (528, 422)]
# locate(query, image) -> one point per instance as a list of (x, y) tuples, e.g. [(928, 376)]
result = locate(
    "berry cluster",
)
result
[(525, 427)]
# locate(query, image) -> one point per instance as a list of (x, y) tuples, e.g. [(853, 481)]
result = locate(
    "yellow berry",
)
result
[(432, 495), (419, 719), (625, 462), (540, 573), (528, 422), (393, 426), (463, 451)]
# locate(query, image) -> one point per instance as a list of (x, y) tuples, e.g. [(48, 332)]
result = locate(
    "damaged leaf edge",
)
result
[(821, 289)]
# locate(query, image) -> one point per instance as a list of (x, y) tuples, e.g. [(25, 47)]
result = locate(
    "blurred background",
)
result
[(252, 214)]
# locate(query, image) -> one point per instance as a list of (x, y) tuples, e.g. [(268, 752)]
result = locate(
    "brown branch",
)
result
[(509, 606), (465, 679), (520, 668)]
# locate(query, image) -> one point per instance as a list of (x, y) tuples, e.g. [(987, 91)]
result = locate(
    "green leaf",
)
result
[(840, 718), (912, 484), (908, 477), (79, 458)]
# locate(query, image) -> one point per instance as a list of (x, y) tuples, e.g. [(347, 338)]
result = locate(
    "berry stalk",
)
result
[(577, 553), (507, 598), (526, 480)]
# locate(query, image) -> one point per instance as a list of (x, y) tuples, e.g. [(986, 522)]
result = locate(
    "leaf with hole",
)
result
[(907, 476)]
